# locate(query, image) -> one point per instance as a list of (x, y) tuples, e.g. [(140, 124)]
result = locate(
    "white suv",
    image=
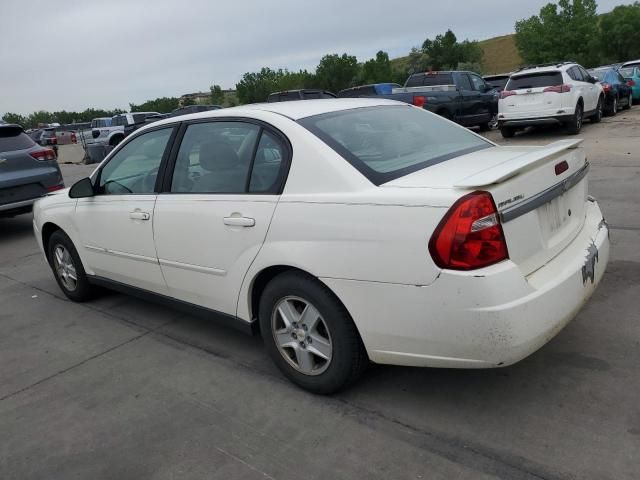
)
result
[(559, 93)]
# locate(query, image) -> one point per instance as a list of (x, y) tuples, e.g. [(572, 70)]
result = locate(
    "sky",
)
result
[(78, 54)]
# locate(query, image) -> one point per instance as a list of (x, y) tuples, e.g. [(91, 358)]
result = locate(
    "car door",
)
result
[(485, 109), (220, 192), (592, 92), (116, 224), (469, 100)]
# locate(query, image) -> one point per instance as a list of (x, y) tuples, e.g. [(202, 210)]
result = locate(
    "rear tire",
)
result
[(294, 353), (613, 109), (507, 132), (575, 124), (629, 102), (66, 264)]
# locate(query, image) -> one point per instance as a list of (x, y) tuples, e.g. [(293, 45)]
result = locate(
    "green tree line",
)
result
[(572, 30)]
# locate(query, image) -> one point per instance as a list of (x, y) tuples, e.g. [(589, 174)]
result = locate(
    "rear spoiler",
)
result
[(510, 168)]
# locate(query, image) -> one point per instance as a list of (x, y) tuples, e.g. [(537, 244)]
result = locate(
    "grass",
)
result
[(500, 55)]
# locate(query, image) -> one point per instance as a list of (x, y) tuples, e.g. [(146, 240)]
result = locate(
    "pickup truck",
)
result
[(113, 134), (463, 97)]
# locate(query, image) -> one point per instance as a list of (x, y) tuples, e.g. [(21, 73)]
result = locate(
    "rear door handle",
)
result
[(239, 221), (138, 215)]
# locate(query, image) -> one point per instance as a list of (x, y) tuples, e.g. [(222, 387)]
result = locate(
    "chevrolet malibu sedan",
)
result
[(343, 230)]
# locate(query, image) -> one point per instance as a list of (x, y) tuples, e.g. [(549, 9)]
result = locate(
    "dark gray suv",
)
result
[(27, 171)]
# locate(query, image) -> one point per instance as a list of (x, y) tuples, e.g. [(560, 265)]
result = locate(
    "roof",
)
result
[(632, 63), (294, 110), (545, 67)]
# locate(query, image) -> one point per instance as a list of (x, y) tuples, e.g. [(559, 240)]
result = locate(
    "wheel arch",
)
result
[(48, 229), (264, 276)]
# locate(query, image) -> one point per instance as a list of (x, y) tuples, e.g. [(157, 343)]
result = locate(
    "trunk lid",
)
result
[(540, 193)]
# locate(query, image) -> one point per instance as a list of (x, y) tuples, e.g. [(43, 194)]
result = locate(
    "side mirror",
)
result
[(82, 189)]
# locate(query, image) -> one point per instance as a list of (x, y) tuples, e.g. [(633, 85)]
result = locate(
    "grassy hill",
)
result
[(500, 55)]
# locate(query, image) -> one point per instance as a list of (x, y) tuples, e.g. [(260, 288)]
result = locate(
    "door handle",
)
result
[(239, 221), (137, 215)]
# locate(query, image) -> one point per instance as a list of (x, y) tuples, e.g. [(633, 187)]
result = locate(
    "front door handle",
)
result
[(239, 221), (138, 215)]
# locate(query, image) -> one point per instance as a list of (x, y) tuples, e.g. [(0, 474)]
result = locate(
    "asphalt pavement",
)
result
[(124, 389)]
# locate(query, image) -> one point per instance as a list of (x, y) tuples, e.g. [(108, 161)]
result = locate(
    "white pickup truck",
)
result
[(85, 137), (115, 132)]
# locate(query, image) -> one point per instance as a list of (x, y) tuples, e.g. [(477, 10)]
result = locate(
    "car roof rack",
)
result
[(542, 65)]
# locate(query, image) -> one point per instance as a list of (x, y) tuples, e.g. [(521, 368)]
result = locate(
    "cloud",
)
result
[(77, 54)]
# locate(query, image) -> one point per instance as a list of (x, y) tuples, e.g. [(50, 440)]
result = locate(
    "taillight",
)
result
[(470, 235), (631, 83), (74, 139), (606, 87), (419, 100), (55, 187), (44, 154), (565, 88), (507, 93)]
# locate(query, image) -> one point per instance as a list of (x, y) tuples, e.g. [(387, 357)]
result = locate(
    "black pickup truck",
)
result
[(463, 97)]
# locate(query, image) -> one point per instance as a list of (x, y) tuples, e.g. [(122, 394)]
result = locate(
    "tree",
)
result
[(160, 105), (446, 52), (376, 70), (256, 86), (15, 118), (335, 72), (620, 33), (217, 96), (566, 31)]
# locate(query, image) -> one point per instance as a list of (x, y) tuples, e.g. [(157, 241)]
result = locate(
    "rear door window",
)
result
[(534, 80)]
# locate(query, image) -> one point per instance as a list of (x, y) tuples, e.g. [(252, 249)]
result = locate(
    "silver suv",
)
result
[(28, 171)]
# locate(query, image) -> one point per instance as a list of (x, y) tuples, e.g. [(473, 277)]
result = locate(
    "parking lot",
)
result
[(121, 388)]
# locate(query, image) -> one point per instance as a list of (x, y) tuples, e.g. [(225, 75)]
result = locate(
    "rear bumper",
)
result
[(487, 318), (23, 206), (532, 121)]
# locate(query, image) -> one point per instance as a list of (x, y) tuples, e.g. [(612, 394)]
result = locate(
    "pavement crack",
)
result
[(75, 365)]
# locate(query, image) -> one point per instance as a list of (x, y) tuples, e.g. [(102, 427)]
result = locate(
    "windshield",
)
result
[(388, 142)]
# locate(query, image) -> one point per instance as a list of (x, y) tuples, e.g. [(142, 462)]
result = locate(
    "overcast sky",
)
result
[(75, 54)]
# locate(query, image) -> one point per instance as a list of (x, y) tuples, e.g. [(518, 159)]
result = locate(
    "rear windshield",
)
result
[(14, 139), (429, 79), (497, 82), (388, 142), (535, 80), (626, 72)]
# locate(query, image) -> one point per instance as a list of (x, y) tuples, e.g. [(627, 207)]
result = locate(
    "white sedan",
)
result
[(344, 230)]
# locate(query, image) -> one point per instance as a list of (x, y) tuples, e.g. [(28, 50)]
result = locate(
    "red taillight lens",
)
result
[(631, 83), (55, 187), (506, 93), (74, 139), (606, 87), (44, 154), (558, 89), (470, 235), (419, 100)]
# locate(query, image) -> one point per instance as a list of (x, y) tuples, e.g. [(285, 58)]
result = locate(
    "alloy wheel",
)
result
[(614, 107), (64, 267), (301, 335), (579, 113)]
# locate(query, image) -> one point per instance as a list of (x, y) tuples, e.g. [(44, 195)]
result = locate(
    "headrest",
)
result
[(218, 155)]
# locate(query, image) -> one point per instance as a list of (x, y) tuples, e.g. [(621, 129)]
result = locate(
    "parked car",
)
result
[(303, 94), (372, 90), (463, 97), (85, 136), (632, 76), (497, 81), (115, 133), (632, 63), (345, 230), (27, 171), (616, 91), (550, 94), (45, 137), (193, 109)]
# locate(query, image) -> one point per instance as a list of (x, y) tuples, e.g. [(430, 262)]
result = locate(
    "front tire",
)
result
[(507, 132), (309, 334), (575, 124), (67, 268)]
